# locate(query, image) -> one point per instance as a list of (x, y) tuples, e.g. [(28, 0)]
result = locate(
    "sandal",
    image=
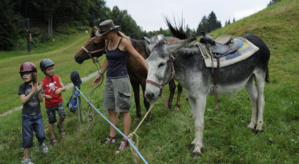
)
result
[(61, 130), (54, 141)]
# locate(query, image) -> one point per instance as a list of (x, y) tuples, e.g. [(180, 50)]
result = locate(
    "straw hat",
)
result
[(106, 27)]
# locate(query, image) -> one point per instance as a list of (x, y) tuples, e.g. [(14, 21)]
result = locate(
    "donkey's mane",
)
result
[(188, 50)]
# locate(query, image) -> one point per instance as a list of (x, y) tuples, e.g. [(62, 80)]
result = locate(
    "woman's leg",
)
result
[(126, 122), (113, 119)]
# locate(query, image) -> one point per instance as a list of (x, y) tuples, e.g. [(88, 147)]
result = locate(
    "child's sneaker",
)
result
[(44, 148), (110, 140), (122, 146), (27, 161)]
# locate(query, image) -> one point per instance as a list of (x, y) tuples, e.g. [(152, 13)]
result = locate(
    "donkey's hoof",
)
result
[(251, 126), (192, 146), (258, 128), (136, 120), (196, 154), (177, 108)]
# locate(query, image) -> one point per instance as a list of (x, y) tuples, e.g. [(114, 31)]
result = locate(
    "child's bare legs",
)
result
[(60, 122), (26, 153), (51, 128)]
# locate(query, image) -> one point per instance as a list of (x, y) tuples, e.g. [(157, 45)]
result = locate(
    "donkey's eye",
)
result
[(161, 65)]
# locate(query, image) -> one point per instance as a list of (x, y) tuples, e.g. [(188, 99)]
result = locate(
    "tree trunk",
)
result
[(50, 26)]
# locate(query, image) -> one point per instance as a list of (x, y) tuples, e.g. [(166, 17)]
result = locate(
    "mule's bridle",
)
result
[(167, 79)]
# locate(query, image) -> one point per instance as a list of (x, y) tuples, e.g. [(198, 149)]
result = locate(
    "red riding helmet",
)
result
[(27, 67)]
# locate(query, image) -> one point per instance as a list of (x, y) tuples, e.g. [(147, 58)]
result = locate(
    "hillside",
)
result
[(168, 136), (278, 26)]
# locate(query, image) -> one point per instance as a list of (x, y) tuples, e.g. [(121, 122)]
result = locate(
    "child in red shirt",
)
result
[(53, 87)]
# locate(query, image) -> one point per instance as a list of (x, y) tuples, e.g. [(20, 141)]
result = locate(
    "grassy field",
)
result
[(168, 136), (62, 53)]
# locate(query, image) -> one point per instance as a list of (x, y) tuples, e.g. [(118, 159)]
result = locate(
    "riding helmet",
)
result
[(45, 64), (27, 67)]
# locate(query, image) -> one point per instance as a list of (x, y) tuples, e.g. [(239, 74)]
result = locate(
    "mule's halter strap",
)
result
[(167, 79), (92, 52)]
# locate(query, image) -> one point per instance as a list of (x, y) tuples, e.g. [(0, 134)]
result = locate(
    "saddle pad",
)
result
[(245, 50)]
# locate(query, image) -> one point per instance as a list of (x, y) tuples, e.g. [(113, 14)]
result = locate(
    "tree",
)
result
[(213, 23), (203, 25), (208, 24), (47, 8), (273, 1), (8, 25), (127, 23)]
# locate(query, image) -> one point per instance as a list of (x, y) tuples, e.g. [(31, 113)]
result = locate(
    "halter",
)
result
[(92, 52), (96, 63), (167, 79)]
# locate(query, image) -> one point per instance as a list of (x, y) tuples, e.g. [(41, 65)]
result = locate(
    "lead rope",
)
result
[(131, 135), (111, 124), (89, 115)]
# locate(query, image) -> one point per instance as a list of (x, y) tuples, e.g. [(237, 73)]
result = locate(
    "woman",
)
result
[(117, 91)]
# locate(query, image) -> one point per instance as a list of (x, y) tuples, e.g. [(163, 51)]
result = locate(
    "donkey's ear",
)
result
[(93, 31), (179, 44), (156, 39)]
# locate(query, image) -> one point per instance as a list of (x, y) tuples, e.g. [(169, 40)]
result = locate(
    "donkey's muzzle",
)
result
[(149, 96)]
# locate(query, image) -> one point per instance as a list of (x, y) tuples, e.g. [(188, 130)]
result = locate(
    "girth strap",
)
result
[(216, 76)]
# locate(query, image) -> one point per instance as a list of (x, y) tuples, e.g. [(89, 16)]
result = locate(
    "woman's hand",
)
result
[(97, 80)]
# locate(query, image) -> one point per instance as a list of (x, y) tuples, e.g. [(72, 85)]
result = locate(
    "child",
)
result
[(31, 96), (53, 87)]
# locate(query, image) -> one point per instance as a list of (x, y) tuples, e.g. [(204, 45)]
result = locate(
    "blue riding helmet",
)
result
[(44, 64)]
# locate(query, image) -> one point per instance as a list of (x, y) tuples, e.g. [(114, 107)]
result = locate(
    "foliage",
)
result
[(125, 21), (273, 1), (208, 24), (58, 16), (8, 25)]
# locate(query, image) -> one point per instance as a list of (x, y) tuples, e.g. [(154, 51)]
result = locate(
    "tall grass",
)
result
[(168, 136)]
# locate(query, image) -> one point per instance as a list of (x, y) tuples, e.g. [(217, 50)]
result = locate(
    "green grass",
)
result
[(168, 136), (62, 53)]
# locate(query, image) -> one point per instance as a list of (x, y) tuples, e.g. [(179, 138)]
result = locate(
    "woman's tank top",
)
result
[(117, 60)]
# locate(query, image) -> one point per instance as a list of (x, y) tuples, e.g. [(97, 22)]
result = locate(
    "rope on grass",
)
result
[(131, 135), (128, 139)]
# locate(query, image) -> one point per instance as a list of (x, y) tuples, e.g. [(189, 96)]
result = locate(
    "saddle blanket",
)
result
[(245, 50)]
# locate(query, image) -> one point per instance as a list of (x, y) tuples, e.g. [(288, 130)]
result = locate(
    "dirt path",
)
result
[(68, 86)]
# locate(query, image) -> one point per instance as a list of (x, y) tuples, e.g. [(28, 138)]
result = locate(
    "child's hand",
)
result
[(39, 87), (34, 87), (48, 97), (58, 91)]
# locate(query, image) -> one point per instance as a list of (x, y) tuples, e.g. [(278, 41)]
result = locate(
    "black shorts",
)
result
[(52, 115)]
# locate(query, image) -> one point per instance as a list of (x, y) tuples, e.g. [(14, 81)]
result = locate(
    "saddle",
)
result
[(221, 46), (148, 41), (216, 48)]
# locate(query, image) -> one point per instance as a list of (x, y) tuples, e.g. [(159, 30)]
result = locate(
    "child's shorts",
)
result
[(32, 123), (52, 115), (117, 95)]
